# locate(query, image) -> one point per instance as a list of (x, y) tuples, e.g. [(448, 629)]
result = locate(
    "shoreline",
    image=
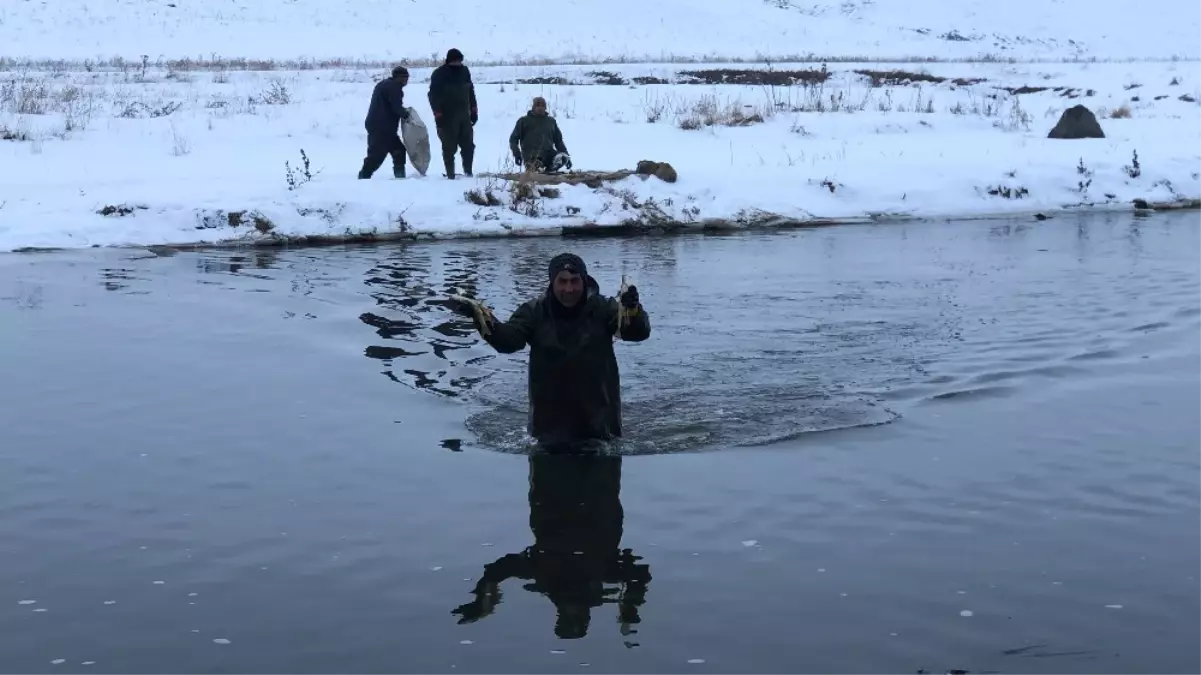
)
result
[(709, 226)]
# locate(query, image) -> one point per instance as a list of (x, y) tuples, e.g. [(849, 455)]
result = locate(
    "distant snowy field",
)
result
[(185, 149), (527, 30)]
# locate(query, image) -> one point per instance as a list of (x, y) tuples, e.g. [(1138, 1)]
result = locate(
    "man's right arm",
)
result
[(513, 335)]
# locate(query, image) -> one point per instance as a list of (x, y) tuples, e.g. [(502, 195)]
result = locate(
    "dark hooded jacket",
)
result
[(452, 93), (574, 384), (536, 133), (387, 103)]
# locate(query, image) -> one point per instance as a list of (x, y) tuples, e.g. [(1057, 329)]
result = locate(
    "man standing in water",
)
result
[(574, 384), (452, 99)]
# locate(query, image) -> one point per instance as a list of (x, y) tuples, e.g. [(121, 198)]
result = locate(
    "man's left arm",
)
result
[(558, 138)]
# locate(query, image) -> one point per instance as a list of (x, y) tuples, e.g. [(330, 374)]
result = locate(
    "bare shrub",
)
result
[(525, 199), (482, 197), (136, 109), (18, 133), (655, 107), (1121, 112), (180, 145), (298, 177), (26, 95), (1017, 119), (276, 93), (708, 112), (1133, 169)]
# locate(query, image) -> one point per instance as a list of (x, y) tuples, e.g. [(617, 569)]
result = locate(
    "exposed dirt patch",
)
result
[(779, 78), (895, 78), (967, 81), (121, 209), (218, 219), (543, 80), (647, 79), (606, 77), (1023, 90)]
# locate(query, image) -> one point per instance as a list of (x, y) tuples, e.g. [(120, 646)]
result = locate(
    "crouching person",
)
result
[(537, 142)]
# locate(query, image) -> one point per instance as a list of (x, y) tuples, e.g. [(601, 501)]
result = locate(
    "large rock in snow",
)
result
[(1077, 122)]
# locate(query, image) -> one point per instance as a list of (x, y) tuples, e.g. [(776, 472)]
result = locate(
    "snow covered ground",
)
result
[(562, 30), (182, 150)]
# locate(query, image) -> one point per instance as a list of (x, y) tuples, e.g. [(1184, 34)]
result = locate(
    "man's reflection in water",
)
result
[(576, 517)]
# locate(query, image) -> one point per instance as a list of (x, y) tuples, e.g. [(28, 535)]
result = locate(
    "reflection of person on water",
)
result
[(574, 384), (577, 518)]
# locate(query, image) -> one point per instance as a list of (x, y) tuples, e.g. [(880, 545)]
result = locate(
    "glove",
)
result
[(438, 118), (517, 160), (567, 165), (629, 299), (404, 114)]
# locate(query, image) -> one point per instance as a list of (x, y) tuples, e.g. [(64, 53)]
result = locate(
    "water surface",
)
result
[(859, 449)]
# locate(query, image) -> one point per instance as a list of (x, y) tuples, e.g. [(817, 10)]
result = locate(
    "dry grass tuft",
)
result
[(709, 112)]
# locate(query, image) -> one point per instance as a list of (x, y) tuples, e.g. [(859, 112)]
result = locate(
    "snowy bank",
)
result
[(192, 157)]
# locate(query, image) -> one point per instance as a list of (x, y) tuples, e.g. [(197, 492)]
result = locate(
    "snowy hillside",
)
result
[(564, 30)]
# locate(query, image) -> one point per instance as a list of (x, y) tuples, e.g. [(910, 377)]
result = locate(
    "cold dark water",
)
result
[(859, 449)]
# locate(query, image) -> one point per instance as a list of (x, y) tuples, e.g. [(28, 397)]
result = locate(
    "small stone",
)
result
[(696, 661), (750, 542), (27, 602), (558, 651), (110, 602), (221, 641), (41, 609), (1113, 606), (435, 569), (966, 612), (159, 583), (58, 661), (466, 642), (89, 663)]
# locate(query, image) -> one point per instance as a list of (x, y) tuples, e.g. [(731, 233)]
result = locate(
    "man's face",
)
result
[(403, 79), (568, 288), (540, 107)]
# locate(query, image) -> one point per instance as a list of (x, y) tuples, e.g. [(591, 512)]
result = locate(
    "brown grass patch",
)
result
[(895, 78), (757, 77)]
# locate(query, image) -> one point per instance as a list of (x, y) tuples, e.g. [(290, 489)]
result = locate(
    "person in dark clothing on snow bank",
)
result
[(537, 142), (574, 384), (384, 115), (452, 100)]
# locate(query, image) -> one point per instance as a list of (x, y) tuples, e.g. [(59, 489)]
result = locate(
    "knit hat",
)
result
[(454, 55), (399, 70), (569, 262)]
